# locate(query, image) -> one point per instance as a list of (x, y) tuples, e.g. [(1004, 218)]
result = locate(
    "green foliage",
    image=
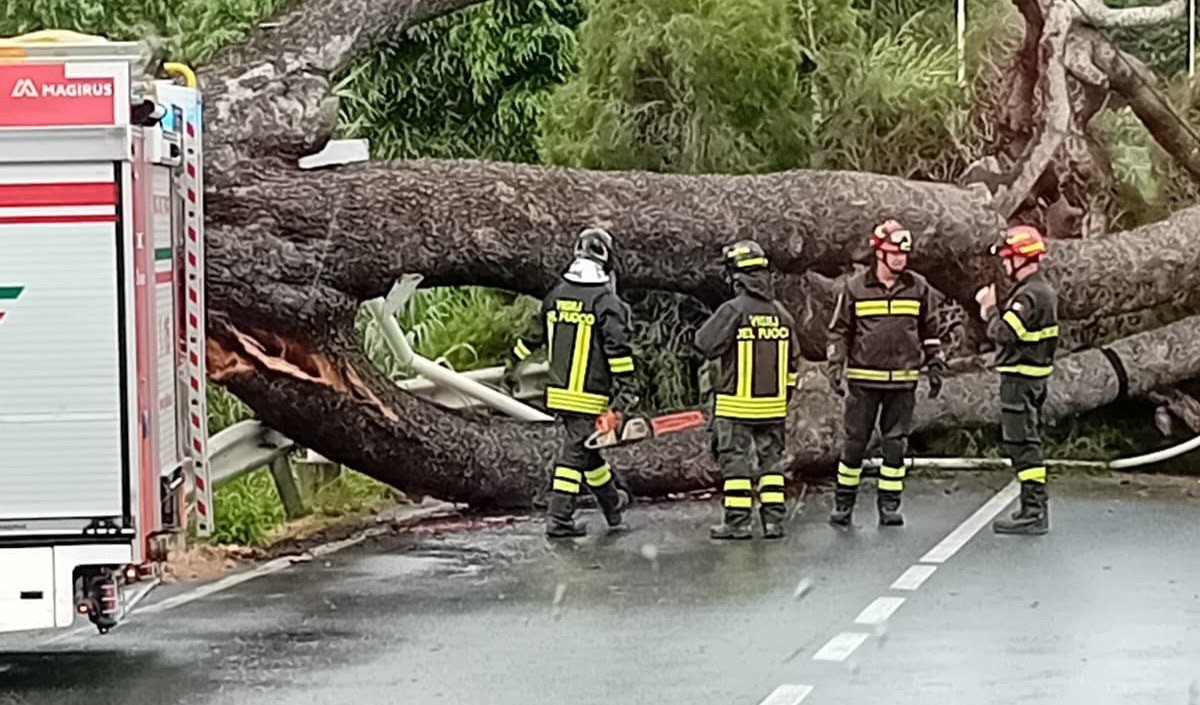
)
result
[(190, 30), (465, 327), (246, 508), (224, 409), (682, 86), (740, 87), (663, 328), (348, 493), (470, 84)]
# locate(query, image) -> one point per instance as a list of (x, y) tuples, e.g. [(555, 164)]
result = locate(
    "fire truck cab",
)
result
[(102, 408)]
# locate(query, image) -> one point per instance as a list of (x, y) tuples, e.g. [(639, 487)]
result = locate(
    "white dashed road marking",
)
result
[(841, 646), (914, 577), (788, 695), (967, 530), (878, 611)]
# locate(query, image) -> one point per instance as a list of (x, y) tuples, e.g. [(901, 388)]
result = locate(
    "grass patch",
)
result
[(248, 511)]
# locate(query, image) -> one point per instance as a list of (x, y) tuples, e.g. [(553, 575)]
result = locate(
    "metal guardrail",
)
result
[(251, 444)]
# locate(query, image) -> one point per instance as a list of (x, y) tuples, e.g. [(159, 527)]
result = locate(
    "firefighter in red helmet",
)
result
[(1025, 330), (881, 335)]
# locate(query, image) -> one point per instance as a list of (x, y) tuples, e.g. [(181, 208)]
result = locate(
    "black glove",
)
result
[(624, 400), (509, 380), (937, 370), (837, 380)]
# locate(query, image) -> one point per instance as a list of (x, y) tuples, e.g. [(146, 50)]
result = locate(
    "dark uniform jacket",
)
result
[(880, 335), (1026, 329), (585, 330), (754, 338)]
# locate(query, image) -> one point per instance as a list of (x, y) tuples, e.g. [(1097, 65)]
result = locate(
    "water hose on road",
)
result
[(1136, 461)]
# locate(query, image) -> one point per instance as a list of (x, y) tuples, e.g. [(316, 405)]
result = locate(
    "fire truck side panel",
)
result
[(65, 423)]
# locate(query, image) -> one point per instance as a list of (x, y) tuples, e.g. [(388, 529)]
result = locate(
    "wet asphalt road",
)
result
[(1106, 609)]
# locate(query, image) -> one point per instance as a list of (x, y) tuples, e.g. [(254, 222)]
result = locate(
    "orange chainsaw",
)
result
[(613, 429)]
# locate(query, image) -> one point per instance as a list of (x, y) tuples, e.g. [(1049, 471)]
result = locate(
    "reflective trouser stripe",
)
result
[(567, 480), (770, 488), (620, 365), (770, 497), (521, 350), (565, 486), (848, 476), (891, 479), (600, 476), (1037, 474), (770, 480), (737, 493)]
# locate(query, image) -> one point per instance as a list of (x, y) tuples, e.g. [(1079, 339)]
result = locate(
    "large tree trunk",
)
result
[(292, 254)]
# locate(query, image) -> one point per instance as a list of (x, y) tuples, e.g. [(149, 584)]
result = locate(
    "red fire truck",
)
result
[(102, 411)]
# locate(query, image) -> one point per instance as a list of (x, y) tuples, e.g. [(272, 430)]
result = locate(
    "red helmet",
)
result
[(1023, 241), (891, 236)]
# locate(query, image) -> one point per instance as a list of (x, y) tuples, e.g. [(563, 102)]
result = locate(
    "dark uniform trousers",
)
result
[(578, 465), (750, 456), (1021, 401), (894, 410)]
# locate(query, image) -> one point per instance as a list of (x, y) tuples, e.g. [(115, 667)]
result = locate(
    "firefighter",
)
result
[(881, 335), (1025, 330), (585, 328), (753, 340)]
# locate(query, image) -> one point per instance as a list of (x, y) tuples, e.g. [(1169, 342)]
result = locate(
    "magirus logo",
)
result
[(8, 294), (26, 88)]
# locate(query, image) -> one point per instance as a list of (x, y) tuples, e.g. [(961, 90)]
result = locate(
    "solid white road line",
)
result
[(788, 695), (914, 577), (878, 611), (841, 646), (223, 584), (967, 530)]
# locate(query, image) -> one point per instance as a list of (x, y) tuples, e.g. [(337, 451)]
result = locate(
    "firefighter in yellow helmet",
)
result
[(881, 335), (585, 328), (1025, 329), (754, 339)]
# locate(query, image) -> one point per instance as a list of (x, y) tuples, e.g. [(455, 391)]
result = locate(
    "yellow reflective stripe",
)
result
[(600, 476), (771, 497), (753, 261), (848, 476), (870, 308), (579, 356), (579, 402), (737, 251), (1028, 336), (745, 367), (891, 485), (1037, 474), (760, 408), (793, 379), (772, 480), (568, 487), (568, 474), (1027, 370), (739, 502), (894, 473), (882, 375), (895, 307), (520, 350), (618, 365), (738, 483), (782, 367)]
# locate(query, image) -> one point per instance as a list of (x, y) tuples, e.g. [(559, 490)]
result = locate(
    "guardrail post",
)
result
[(285, 484)]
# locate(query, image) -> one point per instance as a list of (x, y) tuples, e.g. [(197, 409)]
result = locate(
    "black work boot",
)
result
[(560, 522), (1032, 518), (772, 516), (843, 506), (736, 526), (889, 508), (613, 502)]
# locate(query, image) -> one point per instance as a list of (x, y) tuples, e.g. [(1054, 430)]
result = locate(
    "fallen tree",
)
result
[(292, 254)]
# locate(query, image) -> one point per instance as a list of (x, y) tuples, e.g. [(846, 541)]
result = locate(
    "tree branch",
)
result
[(1055, 111), (272, 96), (1097, 14)]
